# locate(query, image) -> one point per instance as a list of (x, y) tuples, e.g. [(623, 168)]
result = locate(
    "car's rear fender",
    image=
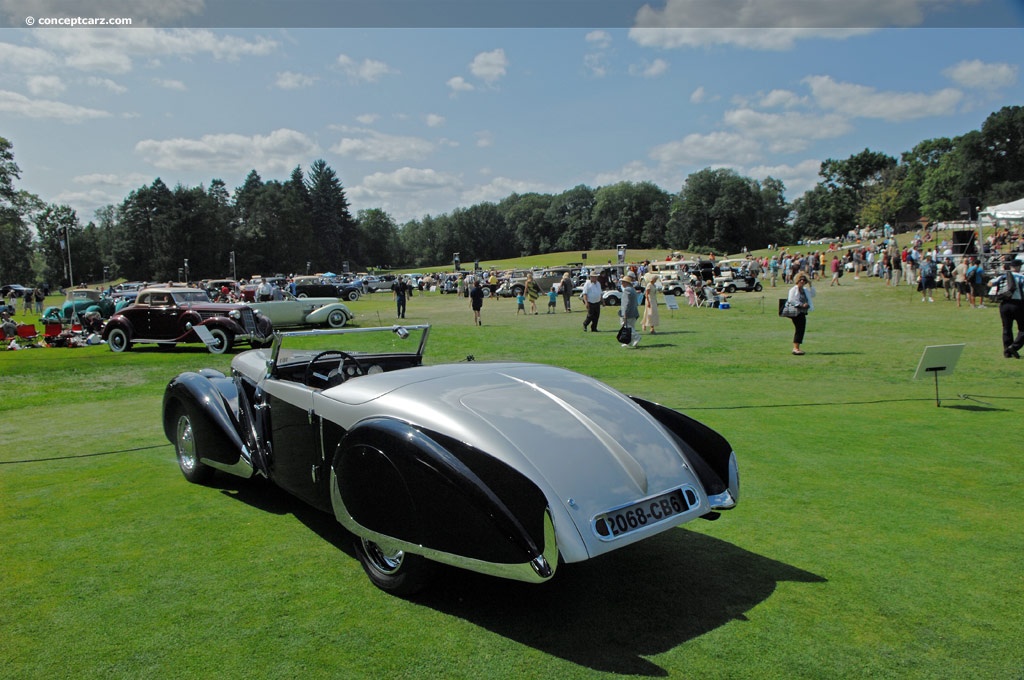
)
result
[(211, 400), (118, 321), (319, 316), (430, 495), (714, 460)]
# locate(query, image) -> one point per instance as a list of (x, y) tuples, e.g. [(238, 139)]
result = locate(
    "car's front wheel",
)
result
[(352, 295), (118, 340), (758, 287), (186, 449), (392, 570), (222, 341), (337, 319)]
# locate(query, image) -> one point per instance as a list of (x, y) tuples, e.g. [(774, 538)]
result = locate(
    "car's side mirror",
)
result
[(401, 331)]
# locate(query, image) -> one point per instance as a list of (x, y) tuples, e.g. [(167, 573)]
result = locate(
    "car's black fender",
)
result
[(211, 400), (450, 500), (714, 463), (118, 321)]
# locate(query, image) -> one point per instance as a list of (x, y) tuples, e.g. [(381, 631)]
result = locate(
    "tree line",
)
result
[(304, 223)]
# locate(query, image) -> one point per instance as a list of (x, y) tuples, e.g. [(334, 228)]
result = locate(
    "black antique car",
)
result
[(327, 288), (167, 316)]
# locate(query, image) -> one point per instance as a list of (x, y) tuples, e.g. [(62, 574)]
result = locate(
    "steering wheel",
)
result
[(337, 375)]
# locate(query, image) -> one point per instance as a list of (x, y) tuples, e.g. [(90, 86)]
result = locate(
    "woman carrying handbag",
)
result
[(798, 305)]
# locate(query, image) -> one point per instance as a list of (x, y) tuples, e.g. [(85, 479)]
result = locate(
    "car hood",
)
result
[(591, 446)]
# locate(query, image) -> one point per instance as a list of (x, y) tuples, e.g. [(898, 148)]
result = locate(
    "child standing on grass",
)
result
[(552, 298), (521, 304)]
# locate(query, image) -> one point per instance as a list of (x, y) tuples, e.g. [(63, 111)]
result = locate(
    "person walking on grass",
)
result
[(476, 301), (800, 296), (630, 311), (591, 297)]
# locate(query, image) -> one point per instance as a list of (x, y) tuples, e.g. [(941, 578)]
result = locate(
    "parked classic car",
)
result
[(318, 287), (307, 311), (167, 316), (84, 300), (426, 464)]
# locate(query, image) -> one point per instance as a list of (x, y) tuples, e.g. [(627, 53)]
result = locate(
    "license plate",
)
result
[(619, 522)]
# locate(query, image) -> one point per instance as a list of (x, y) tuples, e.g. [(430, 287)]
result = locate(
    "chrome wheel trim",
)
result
[(185, 444), (117, 340), (385, 563)]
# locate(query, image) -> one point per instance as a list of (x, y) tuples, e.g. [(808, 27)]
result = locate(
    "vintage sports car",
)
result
[(500, 468), (167, 316), (307, 311)]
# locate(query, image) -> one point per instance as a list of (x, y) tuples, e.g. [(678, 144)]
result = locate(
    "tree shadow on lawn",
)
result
[(606, 614)]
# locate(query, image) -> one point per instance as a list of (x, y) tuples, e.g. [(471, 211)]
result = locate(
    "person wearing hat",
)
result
[(1011, 310), (800, 296), (591, 296), (630, 310)]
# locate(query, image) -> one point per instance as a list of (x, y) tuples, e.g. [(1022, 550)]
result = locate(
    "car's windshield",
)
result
[(185, 297), (299, 346)]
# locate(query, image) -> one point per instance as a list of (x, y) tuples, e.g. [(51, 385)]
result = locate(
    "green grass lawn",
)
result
[(878, 535)]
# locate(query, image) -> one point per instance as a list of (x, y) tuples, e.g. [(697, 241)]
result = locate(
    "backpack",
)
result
[(1003, 288)]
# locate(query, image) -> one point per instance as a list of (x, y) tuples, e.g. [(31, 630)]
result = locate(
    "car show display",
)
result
[(505, 469)]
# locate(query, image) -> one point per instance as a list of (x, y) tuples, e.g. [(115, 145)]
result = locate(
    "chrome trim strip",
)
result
[(537, 570), (731, 496)]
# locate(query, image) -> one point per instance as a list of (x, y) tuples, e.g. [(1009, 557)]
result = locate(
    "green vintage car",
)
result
[(83, 300)]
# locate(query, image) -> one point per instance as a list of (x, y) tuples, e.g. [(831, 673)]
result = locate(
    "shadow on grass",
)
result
[(611, 613), (607, 614)]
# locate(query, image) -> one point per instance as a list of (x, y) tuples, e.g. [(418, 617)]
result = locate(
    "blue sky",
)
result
[(421, 120)]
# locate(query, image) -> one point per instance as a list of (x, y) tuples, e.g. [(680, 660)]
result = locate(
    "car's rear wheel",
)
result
[(352, 295), (301, 295), (730, 288), (392, 570), (337, 319), (186, 448), (118, 340), (758, 287)]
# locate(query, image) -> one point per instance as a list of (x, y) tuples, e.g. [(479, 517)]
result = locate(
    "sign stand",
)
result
[(671, 303), (938, 360)]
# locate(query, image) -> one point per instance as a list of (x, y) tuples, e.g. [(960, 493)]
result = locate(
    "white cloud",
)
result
[(600, 39), (106, 83), (288, 80), (484, 138), (45, 86), (368, 118), (18, 58), (634, 171), (867, 102), (20, 105), (500, 187), (976, 74), (434, 120), (782, 98), (367, 70), (698, 96), (114, 50), (776, 25), (459, 84), (715, 146), (409, 180), (489, 66), (649, 70), (280, 151), (112, 180), (596, 64), (798, 178), (170, 84), (370, 145), (787, 132)]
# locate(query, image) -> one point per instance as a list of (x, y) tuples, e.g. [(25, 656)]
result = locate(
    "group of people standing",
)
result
[(629, 311)]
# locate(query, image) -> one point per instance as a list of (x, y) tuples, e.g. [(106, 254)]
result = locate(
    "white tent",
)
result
[(1007, 211)]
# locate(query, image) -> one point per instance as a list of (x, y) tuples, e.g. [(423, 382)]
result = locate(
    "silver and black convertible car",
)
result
[(500, 468)]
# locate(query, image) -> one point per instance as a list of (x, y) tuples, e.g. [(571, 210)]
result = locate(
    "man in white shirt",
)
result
[(591, 296)]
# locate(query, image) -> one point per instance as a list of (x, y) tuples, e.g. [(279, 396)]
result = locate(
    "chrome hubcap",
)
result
[(186, 444)]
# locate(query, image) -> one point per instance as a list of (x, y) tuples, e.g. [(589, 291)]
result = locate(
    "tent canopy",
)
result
[(1007, 211)]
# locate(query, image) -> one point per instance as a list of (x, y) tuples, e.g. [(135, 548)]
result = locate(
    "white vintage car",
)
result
[(293, 312), (428, 464)]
